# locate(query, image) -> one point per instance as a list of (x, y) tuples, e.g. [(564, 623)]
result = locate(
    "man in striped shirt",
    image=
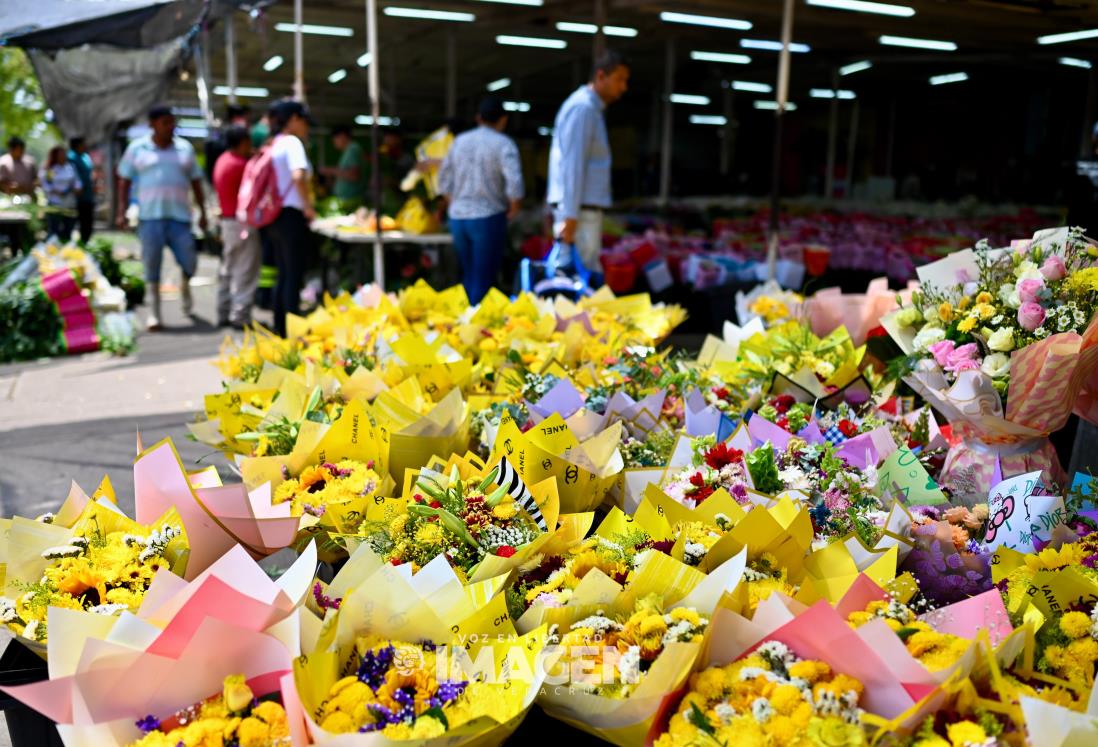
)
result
[(482, 181)]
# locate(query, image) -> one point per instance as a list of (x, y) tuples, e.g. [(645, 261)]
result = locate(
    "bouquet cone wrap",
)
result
[(830, 308), (1046, 380)]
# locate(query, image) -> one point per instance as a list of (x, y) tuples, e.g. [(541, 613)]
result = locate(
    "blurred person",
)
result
[(165, 168), (349, 187), (240, 256), (61, 185), (236, 115), (395, 162), (481, 178), (579, 164), (289, 233), (85, 199), (17, 169)]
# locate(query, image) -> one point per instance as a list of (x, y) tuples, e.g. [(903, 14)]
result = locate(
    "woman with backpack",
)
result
[(289, 232)]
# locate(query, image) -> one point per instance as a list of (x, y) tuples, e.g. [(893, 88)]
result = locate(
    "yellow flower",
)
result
[(945, 312), (967, 324), (253, 733), (1051, 559), (964, 303), (236, 693), (1075, 624), (505, 510), (429, 534), (984, 311), (965, 733), (984, 297), (1083, 281), (833, 732)]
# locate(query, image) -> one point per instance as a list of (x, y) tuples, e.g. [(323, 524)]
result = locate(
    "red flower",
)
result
[(722, 393), (505, 551), (783, 402), (435, 504), (697, 480), (417, 498), (394, 561), (782, 422), (720, 455), (848, 428)]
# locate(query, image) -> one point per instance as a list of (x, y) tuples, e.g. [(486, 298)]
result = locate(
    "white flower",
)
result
[(996, 365), (693, 552), (1027, 270), (794, 478), (598, 623), (63, 551), (629, 665), (7, 610), (927, 336), (908, 316), (31, 631), (725, 712), (824, 369), (761, 710), (1001, 340), (1008, 294), (108, 609), (46, 518)]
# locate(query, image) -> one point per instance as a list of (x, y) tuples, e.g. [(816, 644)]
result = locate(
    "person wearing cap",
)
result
[(481, 178), (289, 233), (165, 169), (579, 164)]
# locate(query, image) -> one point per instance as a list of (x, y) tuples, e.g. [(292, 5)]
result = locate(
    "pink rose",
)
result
[(942, 351), (963, 358), (1031, 315), (1054, 268), (1029, 289)]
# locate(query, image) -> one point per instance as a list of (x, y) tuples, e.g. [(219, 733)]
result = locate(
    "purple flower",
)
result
[(375, 665), (324, 601), (148, 724)]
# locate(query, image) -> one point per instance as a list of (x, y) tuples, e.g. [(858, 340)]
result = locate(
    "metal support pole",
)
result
[(299, 54), (728, 130), (201, 69), (668, 123), (230, 58), (776, 167), (451, 74), (850, 146), (891, 138), (599, 44), (832, 139), (374, 90)]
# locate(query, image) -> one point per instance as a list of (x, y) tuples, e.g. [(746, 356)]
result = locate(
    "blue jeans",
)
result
[(176, 235), (479, 243)]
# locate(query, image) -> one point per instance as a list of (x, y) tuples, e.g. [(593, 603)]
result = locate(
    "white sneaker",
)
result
[(152, 323)]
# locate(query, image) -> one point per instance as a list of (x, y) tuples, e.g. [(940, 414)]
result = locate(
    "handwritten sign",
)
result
[(1021, 514), (903, 469)]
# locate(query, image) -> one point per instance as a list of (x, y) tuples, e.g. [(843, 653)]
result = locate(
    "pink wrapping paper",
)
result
[(830, 309), (81, 340), (60, 284)]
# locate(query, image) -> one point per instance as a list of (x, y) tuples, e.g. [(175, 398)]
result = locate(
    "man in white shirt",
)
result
[(482, 180)]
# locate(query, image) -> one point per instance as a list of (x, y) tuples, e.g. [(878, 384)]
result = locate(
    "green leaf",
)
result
[(905, 633), (437, 714), (698, 719)]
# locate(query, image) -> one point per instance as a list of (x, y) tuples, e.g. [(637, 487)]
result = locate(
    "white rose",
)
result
[(931, 314), (996, 365), (928, 336), (1027, 270), (1001, 340), (908, 316), (1008, 294)]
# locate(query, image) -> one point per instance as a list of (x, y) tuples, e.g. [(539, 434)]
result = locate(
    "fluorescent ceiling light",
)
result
[(195, 132), (273, 63), (497, 85), (859, 6), (1068, 37), (773, 46), (364, 60), (695, 20), (746, 85), (535, 3), (516, 106), (708, 119), (591, 28), (382, 121), (1075, 62), (531, 41), (545, 131), (907, 41), (827, 93), (689, 98), (855, 67), (430, 15), (939, 80), (732, 59), (312, 28), (773, 105), (337, 76), (246, 91)]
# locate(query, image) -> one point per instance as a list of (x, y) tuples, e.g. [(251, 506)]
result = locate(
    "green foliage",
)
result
[(22, 105), (764, 469), (30, 326)]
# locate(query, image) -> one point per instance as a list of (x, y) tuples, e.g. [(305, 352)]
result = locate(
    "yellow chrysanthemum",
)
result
[(1051, 559), (1075, 624), (964, 733)]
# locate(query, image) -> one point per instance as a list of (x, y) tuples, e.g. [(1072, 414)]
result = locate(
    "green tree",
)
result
[(22, 105)]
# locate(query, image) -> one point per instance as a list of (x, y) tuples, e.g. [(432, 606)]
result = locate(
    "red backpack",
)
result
[(259, 202)]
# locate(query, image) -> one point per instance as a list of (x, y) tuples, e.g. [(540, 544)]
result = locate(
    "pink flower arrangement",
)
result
[(1054, 268), (953, 358)]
